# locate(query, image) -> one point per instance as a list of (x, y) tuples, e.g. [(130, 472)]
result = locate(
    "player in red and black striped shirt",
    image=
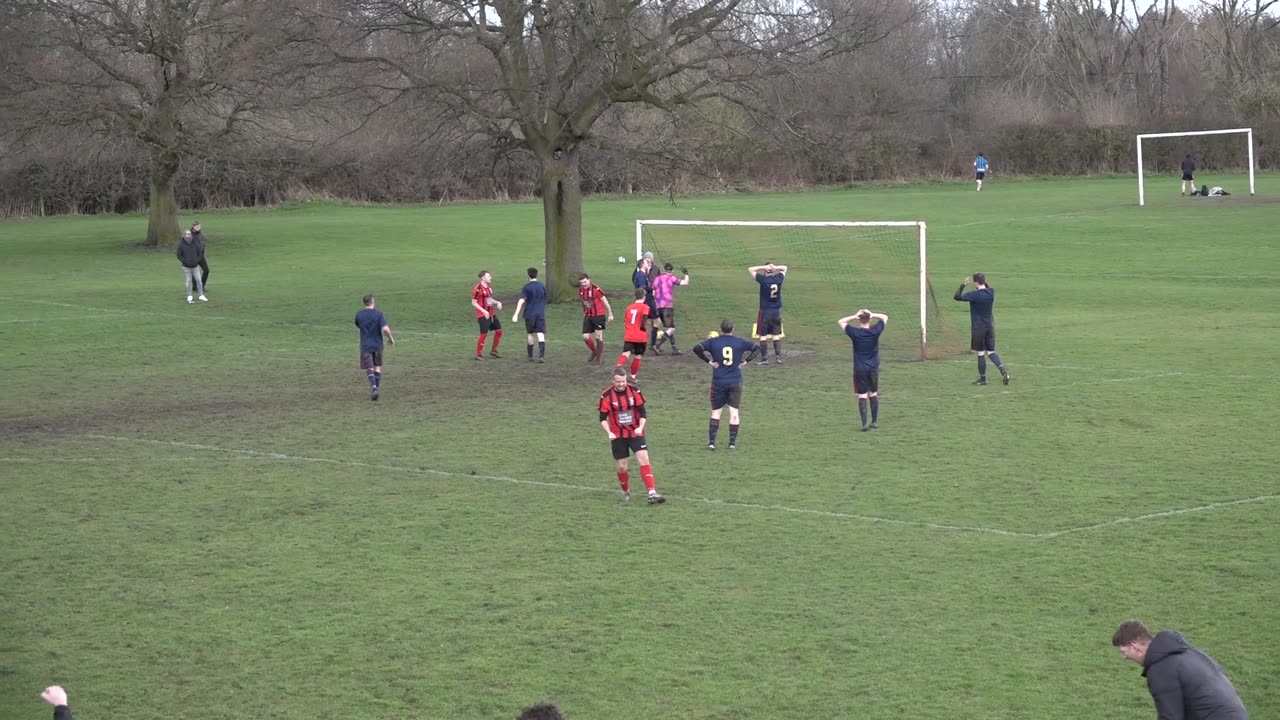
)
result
[(595, 308), (622, 415), (486, 307)]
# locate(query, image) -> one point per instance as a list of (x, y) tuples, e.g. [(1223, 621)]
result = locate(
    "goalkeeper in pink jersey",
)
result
[(664, 297)]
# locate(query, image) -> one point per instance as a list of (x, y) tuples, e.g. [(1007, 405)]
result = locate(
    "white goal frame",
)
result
[(922, 242), (1248, 132)]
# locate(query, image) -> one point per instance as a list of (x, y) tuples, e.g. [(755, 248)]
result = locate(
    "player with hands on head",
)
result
[(864, 329), (769, 319), (623, 416), (982, 324), (726, 354)]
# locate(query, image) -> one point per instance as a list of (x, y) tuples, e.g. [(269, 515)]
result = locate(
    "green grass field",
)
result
[(203, 516)]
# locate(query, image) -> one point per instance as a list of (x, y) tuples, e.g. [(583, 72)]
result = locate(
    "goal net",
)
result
[(835, 268), (1228, 152)]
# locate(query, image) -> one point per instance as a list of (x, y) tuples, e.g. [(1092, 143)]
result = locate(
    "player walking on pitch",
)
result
[(980, 166), (866, 360), (769, 319), (595, 309), (635, 337), (982, 324), (533, 300), (623, 417), (664, 287), (373, 326), (486, 307), (726, 354)]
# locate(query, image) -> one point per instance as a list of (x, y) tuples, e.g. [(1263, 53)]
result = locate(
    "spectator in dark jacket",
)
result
[(1185, 683), (204, 261), (190, 253), (57, 697)]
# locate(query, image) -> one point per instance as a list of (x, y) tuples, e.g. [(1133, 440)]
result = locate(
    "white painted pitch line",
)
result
[(84, 460), (562, 486), (705, 501), (224, 318), (1157, 515)]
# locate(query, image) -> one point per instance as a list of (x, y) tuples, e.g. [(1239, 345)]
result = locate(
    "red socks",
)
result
[(497, 338), (591, 345), (622, 359), (635, 366), (480, 343), (646, 474), (624, 480)]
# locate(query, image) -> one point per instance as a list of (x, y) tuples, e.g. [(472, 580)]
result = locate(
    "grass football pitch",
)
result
[(202, 515)]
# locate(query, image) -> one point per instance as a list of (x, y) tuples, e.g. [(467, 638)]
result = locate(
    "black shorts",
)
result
[(622, 447), (592, 323), (489, 323), (770, 323), (667, 316), (983, 338), (370, 359), (635, 348), (866, 381), (653, 309), (1187, 176), (981, 174), (722, 395), (535, 325)]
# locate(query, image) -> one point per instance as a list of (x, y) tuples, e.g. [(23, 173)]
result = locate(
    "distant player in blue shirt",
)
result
[(980, 166), (769, 319), (533, 300), (982, 324), (726, 354), (866, 360), (373, 325)]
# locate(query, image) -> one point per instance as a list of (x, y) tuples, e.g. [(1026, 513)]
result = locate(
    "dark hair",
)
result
[(980, 278), (482, 273), (668, 267), (979, 154), (583, 276), (541, 711), (533, 273), (864, 317), (726, 326), (1188, 154), (368, 299), (640, 293), (1130, 631), (619, 371)]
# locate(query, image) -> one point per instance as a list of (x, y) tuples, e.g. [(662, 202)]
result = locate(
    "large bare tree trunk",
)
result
[(162, 217), (562, 220)]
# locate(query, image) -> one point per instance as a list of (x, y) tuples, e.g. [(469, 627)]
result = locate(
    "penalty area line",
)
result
[(563, 486)]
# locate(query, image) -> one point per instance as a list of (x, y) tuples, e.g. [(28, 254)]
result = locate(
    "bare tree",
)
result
[(179, 75), (538, 74)]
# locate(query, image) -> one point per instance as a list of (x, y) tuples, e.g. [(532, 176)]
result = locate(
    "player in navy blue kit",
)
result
[(373, 325), (769, 320), (727, 354), (866, 360), (533, 300), (982, 324)]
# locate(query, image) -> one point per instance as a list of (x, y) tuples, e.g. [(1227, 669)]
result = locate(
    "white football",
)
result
[(622, 260)]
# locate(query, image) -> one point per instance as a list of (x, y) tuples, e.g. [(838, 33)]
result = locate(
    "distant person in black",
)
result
[(982, 324), (1188, 173), (57, 697), (198, 236)]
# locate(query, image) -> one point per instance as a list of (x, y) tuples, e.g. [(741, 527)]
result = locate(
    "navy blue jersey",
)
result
[(866, 346), (730, 352), (980, 304), (770, 290), (640, 279), (1188, 166), (370, 321), (535, 300)]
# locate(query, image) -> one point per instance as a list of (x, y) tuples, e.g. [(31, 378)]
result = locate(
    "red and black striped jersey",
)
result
[(623, 409)]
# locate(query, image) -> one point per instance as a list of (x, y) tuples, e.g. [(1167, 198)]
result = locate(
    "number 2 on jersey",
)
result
[(773, 291)]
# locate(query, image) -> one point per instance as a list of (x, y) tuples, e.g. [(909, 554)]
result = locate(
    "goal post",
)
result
[(1247, 132), (834, 263)]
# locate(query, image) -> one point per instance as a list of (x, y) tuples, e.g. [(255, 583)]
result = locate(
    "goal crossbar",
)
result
[(922, 235), (1248, 132)]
